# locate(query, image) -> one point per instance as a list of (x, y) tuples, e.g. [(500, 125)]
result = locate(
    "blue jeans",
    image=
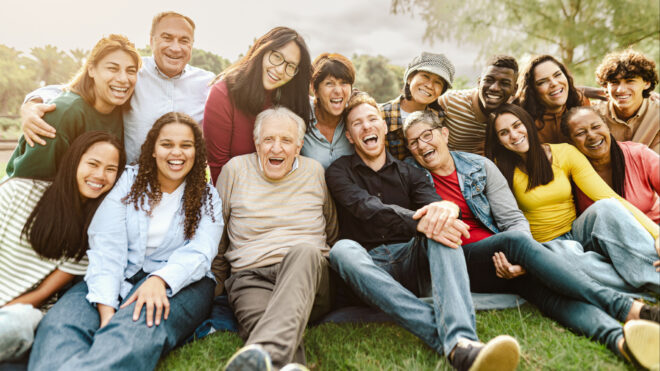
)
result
[(556, 286), (611, 247), (69, 338), (391, 276)]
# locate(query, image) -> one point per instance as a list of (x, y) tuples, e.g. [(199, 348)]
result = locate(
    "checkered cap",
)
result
[(434, 63)]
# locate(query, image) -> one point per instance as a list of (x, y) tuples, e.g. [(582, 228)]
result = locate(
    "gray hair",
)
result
[(282, 113), (426, 117)]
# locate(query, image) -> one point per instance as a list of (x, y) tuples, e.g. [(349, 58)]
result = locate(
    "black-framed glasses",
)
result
[(426, 136), (276, 58)]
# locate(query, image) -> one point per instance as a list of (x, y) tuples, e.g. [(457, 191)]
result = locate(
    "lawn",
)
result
[(545, 346)]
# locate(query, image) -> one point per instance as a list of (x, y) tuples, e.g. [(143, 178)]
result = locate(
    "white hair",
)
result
[(282, 113)]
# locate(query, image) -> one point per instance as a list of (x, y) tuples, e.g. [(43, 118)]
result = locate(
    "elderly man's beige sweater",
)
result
[(264, 218)]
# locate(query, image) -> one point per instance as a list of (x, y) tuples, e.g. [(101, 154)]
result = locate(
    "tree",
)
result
[(17, 78), (578, 32), (376, 76), (53, 65), (208, 61)]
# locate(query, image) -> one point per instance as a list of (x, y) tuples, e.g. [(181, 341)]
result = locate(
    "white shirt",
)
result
[(155, 95), (161, 218)]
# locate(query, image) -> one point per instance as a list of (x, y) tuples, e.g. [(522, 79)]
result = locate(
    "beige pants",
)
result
[(273, 304)]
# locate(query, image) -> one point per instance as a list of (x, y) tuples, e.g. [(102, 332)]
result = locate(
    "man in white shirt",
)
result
[(165, 83)]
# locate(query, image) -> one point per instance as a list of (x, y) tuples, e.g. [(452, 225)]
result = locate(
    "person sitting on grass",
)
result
[(280, 219), (94, 101), (149, 281), (427, 77), (500, 249), (629, 78), (382, 203), (44, 234)]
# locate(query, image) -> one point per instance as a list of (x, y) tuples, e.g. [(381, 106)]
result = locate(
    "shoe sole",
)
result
[(502, 353), (249, 358), (642, 339)]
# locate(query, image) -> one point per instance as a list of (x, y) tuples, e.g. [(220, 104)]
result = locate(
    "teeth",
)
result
[(175, 162), (557, 92), (336, 100), (425, 92), (519, 141), (428, 153), (275, 78), (94, 185), (492, 96), (596, 145), (369, 137), (121, 90)]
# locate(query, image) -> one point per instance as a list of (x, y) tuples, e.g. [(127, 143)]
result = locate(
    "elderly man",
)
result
[(467, 110), (499, 233), (280, 219), (629, 77), (382, 203), (165, 83)]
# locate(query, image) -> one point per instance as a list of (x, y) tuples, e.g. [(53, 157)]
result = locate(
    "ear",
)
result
[(91, 71), (646, 85), (348, 136)]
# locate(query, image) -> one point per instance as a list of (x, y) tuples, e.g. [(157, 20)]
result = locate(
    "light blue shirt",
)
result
[(316, 145), (155, 95), (118, 246)]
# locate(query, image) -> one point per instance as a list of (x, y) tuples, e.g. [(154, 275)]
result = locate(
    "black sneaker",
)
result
[(642, 343), (651, 313), (500, 354), (249, 358)]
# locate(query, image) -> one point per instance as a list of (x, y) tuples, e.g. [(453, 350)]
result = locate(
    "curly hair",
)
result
[(527, 96), (146, 186), (627, 64)]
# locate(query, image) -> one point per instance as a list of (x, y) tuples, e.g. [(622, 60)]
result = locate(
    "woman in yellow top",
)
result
[(619, 244)]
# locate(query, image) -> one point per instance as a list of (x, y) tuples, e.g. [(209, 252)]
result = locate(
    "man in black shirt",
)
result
[(382, 203)]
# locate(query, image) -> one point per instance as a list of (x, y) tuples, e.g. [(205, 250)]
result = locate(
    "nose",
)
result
[(122, 76), (495, 86), (174, 46), (620, 87)]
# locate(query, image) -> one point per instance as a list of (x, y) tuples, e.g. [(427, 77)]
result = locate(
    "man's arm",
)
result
[(32, 111)]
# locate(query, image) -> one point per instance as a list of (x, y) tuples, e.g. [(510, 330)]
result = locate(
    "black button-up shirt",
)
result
[(376, 207)]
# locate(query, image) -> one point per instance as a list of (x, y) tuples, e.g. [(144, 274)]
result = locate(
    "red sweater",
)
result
[(227, 130)]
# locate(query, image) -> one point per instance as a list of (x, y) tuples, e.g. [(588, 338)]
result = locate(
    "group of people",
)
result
[(324, 199)]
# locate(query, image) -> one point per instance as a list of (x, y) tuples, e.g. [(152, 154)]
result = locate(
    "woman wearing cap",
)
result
[(428, 76), (332, 80)]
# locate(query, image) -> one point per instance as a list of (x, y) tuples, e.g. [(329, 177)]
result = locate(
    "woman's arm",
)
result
[(218, 127), (53, 283), (589, 182)]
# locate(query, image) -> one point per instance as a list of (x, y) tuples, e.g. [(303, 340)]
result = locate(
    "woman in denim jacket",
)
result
[(151, 241), (502, 256)]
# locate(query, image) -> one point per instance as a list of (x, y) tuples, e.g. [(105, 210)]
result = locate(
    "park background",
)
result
[(45, 42)]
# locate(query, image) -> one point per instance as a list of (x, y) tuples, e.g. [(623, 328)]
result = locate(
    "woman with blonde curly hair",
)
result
[(93, 100), (151, 245)]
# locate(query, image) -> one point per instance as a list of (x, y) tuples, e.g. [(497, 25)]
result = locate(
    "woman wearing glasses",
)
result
[(275, 71)]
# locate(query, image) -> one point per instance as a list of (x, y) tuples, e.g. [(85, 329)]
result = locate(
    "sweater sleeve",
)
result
[(589, 182), (503, 204), (218, 127)]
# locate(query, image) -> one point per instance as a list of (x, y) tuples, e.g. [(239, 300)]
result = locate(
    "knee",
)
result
[(305, 253), (346, 251), (608, 206)]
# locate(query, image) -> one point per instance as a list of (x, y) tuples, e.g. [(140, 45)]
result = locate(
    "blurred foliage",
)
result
[(378, 77), (578, 32)]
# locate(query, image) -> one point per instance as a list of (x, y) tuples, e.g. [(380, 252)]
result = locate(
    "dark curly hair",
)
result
[(527, 96), (627, 64), (146, 186)]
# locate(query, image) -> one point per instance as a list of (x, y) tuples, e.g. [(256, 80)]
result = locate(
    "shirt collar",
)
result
[(356, 161), (641, 111), (161, 74)]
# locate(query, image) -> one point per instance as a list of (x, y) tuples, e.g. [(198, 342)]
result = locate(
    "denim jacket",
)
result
[(118, 245), (486, 192)]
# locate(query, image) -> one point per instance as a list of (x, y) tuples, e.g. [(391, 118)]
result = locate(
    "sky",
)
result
[(227, 28)]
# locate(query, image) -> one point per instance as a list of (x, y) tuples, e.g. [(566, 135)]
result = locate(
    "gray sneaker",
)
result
[(249, 358), (502, 353)]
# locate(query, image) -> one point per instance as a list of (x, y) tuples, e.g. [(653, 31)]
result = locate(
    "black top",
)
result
[(376, 207)]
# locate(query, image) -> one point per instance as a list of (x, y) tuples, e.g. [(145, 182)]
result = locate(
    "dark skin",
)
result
[(496, 86)]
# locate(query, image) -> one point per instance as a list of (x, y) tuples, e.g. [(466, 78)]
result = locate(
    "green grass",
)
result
[(545, 346)]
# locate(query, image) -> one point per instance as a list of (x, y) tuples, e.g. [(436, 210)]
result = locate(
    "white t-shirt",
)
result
[(161, 218)]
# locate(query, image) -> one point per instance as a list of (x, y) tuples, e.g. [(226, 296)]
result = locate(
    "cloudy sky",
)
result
[(228, 27)]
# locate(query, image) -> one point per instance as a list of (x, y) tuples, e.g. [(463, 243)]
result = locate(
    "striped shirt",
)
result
[(465, 121), (264, 218), (21, 269)]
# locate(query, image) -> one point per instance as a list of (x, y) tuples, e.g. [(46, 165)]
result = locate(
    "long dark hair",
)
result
[(537, 166), (146, 186), (57, 227), (527, 96), (617, 160), (245, 77)]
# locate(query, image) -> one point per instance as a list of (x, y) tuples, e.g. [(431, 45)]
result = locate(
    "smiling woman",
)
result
[(275, 71), (105, 82)]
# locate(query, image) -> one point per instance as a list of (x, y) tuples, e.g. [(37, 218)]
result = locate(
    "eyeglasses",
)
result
[(426, 136), (276, 58)]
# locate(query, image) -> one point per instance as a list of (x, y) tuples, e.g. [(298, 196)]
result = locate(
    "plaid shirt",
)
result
[(396, 142)]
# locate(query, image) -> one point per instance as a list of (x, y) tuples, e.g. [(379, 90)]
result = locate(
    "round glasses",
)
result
[(426, 136), (276, 58)]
